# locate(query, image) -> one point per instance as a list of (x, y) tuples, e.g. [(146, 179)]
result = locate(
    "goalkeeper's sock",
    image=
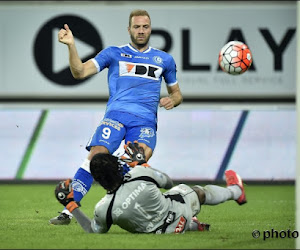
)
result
[(215, 195), (82, 181)]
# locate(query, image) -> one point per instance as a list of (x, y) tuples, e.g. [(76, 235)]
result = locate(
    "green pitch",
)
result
[(26, 209)]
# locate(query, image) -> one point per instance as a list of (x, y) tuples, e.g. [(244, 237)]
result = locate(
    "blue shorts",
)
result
[(115, 127)]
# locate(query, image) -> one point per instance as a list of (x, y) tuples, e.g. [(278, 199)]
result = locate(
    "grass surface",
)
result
[(26, 210)]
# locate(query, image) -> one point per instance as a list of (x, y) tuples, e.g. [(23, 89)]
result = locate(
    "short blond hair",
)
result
[(138, 12)]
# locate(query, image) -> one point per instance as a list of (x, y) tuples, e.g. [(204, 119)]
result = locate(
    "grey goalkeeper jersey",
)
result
[(138, 206)]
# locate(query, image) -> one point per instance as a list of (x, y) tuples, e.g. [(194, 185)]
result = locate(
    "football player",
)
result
[(135, 203), (135, 73)]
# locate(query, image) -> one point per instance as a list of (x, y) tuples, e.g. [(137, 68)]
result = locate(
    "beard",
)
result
[(140, 44)]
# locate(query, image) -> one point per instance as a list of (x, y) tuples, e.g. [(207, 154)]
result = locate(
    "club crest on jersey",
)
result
[(126, 55), (146, 132), (158, 59), (143, 70), (78, 187)]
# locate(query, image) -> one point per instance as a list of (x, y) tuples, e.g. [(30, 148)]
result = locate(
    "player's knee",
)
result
[(200, 192), (96, 150)]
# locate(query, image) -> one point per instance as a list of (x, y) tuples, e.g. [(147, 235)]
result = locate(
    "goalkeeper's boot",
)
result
[(196, 225), (232, 178), (62, 219)]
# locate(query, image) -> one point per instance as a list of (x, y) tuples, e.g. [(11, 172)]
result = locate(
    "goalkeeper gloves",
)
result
[(136, 154), (65, 195)]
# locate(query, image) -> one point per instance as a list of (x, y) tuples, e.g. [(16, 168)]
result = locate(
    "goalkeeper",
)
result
[(135, 203)]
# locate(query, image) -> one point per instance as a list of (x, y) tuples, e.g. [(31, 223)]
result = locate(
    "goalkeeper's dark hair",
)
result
[(107, 170)]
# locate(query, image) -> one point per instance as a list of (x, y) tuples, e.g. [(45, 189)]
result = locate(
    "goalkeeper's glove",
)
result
[(136, 154), (65, 195)]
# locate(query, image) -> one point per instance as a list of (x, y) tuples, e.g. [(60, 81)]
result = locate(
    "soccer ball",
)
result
[(235, 58)]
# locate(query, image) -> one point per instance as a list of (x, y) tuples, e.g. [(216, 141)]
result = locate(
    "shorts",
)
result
[(110, 133), (184, 211)]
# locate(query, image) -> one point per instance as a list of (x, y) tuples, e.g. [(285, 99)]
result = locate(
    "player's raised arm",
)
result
[(79, 69), (174, 98)]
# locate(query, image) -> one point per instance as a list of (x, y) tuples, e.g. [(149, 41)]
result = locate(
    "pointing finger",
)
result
[(67, 27)]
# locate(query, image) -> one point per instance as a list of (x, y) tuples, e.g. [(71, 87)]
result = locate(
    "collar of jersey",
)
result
[(135, 50)]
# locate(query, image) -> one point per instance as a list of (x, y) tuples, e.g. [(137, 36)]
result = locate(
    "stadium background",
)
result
[(246, 123)]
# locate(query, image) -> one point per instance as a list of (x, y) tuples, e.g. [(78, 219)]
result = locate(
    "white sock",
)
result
[(236, 191), (216, 195), (66, 211), (86, 165)]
